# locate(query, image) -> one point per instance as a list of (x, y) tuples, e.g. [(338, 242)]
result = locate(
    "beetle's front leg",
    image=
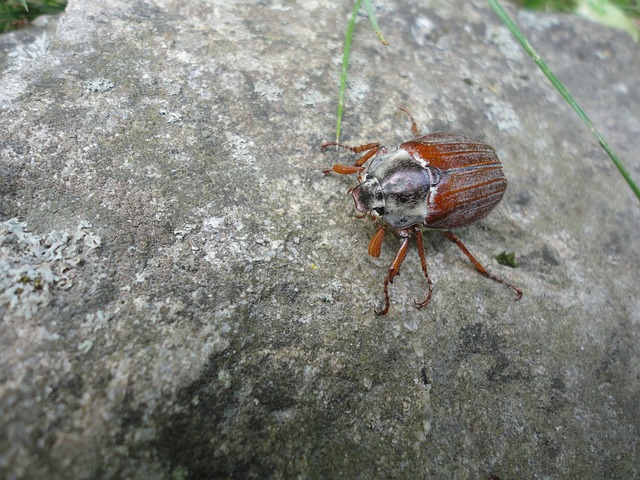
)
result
[(483, 271), (394, 269), (376, 242), (343, 169), (371, 149)]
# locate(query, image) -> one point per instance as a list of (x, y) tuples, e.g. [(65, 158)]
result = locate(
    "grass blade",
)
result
[(374, 22), (500, 12), (345, 64), (347, 52)]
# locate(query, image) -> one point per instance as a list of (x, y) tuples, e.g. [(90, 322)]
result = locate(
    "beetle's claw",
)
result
[(324, 146), (423, 304), (426, 301)]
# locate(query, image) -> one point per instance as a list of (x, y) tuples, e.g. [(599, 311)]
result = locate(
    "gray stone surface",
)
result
[(183, 295)]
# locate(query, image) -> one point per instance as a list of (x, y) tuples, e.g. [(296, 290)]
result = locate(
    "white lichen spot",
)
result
[(23, 55), (180, 233), (358, 90), (97, 321), (82, 234), (421, 30), (99, 85), (426, 426), (621, 88), (85, 346), (313, 99), (268, 90), (35, 266), (241, 149), (172, 117), (505, 41), (411, 325), (212, 223), (300, 83), (224, 378), (502, 115)]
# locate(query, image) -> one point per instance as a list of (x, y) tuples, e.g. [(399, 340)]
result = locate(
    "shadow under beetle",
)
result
[(437, 180)]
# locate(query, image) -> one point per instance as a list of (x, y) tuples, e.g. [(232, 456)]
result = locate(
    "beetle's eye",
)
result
[(368, 177), (379, 210)]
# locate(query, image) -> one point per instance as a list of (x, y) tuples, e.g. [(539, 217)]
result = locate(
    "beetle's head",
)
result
[(368, 196)]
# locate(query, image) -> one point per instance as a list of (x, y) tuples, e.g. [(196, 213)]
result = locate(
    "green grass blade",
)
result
[(347, 52), (374, 22), (345, 64), (16, 13), (497, 8)]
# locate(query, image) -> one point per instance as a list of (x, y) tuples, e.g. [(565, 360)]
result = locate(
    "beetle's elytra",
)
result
[(437, 180)]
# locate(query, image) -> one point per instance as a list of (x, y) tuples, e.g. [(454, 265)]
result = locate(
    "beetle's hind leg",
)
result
[(483, 271), (414, 125), (423, 263), (371, 149)]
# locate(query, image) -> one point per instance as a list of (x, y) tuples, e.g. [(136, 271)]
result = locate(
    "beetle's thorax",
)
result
[(381, 165), (395, 187)]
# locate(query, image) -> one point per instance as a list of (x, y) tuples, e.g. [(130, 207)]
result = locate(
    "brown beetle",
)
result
[(438, 180)]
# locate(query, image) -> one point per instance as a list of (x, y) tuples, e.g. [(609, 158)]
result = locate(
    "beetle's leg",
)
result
[(374, 151), (371, 149), (483, 271), (343, 169), (376, 242), (394, 269), (423, 263), (358, 149), (414, 125)]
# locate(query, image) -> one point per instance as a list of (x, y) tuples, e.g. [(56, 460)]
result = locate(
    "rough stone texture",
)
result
[(185, 296)]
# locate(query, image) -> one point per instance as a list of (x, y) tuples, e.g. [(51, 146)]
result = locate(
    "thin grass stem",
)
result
[(502, 14)]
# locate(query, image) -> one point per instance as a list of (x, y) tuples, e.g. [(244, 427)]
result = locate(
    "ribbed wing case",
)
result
[(471, 181)]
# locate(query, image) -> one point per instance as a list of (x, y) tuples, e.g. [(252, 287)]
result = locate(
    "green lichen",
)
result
[(507, 259)]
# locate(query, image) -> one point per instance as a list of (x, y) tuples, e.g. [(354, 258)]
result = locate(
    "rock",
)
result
[(184, 295)]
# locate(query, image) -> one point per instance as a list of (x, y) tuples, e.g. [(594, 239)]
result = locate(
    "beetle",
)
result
[(436, 180)]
